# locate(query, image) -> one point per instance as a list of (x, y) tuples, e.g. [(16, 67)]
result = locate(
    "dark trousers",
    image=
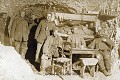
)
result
[(21, 47), (104, 58)]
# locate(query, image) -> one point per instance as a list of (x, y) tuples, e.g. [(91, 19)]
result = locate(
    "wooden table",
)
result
[(83, 51), (86, 61)]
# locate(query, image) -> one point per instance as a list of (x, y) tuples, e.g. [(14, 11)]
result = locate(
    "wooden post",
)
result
[(82, 70), (53, 67), (92, 71), (64, 68)]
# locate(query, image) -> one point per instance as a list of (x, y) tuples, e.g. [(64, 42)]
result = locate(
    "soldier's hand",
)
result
[(104, 39), (64, 56)]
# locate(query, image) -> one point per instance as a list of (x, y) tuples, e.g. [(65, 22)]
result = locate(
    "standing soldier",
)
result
[(2, 29), (4, 34), (19, 34), (104, 46), (43, 31)]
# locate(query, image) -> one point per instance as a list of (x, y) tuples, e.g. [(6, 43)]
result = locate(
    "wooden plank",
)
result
[(89, 61), (83, 49), (88, 17), (83, 52), (81, 17), (67, 16), (93, 12)]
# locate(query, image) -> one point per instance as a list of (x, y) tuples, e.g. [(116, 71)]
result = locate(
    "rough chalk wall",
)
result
[(12, 6)]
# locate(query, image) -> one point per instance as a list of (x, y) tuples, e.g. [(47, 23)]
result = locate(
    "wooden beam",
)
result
[(81, 17)]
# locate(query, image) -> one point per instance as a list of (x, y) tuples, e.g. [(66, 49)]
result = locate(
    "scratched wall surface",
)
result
[(12, 6)]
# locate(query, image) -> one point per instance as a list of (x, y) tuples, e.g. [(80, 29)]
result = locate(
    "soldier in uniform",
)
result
[(104, 46), (51, 48), (43, 31), (2, 29), (4, 32), (19, 34), (77, 41)]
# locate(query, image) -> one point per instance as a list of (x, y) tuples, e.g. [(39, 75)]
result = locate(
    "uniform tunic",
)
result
[(43, 30), (76, 40), (99, 44), (20, 29), (2, 29), (50, 48)]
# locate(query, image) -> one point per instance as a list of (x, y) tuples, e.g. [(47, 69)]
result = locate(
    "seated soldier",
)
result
[(77, 41), (50, 49), (104, 46)]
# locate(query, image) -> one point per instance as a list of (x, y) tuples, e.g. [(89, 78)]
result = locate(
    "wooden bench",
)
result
[(88, 62)]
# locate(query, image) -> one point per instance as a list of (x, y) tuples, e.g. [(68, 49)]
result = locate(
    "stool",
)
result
[(65, 64), (88, 62)]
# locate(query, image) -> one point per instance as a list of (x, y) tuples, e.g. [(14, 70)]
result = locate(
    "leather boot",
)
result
[(105, 73)]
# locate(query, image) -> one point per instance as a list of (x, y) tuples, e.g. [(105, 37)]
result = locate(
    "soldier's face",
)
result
[(87, 25), (22, 14), (5, 16), (75, 30), (91, 25), (49, 17), (33, 17), (55, 33), (106, 26)]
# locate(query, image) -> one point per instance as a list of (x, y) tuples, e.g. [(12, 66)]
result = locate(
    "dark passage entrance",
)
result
[(32, 46)]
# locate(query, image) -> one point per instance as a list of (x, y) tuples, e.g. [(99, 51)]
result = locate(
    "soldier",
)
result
[(43, 31), (19, 34), (4, 32), (51, 48), (104, 46), (77, 41), (2, 29)]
